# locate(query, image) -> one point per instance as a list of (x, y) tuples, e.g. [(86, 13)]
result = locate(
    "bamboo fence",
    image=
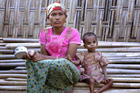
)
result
[(111, 20)]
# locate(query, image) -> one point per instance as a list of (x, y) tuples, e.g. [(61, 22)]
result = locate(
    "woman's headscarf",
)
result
[(55, 6)]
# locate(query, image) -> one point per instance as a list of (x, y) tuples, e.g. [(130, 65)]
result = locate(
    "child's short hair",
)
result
[(89, 34)]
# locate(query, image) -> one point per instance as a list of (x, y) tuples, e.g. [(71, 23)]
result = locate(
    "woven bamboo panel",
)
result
[(111, 20)]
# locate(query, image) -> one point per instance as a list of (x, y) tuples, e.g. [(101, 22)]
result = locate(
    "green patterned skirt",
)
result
[(51, 76)]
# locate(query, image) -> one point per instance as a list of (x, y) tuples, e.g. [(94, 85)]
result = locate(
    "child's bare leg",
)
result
[(91, 85), (106, 86)]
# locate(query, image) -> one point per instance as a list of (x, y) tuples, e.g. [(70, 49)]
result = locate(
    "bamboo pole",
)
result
[(126, 80), (125, 61), (12, 64), (111, 90), (7, 56), (122, 71), (131, 75), (125, 66), (13, 75), (14, 72), (20, 68), (17, 83), (14, 45), (15, 79), (7, 51), (115, 85), (16, 88), (126, 85), (12, 61), (19, 40)]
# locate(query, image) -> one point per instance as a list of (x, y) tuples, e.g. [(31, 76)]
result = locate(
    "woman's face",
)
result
[(57, 18)]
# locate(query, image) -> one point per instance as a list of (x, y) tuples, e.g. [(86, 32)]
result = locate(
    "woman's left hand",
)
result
[(34, 56)]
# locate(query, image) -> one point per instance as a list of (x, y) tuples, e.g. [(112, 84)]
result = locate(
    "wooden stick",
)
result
[(7, 56), (128, 80), (15, 79), (127, 66), (13, 75), (115, 85), (14, 72), (131, 75), (20, 68), (14, 45), (20, 83), (121, 71), (121, 49), (16, 88), (12, 64), (110, 90), (19, 40), (126, 85), (6, 51), (12, 61)]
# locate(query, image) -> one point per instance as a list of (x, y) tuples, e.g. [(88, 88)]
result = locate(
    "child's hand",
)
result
[(106, 80), (82, 70)]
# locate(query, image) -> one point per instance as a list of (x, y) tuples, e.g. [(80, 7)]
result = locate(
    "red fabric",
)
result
[(57, 8)]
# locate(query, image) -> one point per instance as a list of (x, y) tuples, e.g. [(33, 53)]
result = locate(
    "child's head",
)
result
[(90, 41)]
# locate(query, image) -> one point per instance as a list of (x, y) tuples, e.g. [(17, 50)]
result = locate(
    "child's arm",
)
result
[(104, 72), (76, 61), (104, 62)]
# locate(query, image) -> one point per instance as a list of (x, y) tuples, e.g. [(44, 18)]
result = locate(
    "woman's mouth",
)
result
[(57, 22)]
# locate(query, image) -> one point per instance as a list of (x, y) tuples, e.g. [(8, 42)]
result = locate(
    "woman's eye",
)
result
[(60, 14), (53, 14)]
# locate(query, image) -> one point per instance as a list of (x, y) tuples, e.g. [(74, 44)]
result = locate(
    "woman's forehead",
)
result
[(57, 11)]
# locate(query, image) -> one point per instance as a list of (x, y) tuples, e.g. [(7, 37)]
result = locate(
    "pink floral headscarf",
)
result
[(55, 6)]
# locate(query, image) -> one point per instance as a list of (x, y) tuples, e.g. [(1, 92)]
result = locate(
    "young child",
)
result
[(94, 64)]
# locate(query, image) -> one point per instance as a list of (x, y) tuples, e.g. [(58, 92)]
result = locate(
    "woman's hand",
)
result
[(34, 55)]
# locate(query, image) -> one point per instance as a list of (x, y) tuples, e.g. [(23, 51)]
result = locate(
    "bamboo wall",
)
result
[(111, 20)]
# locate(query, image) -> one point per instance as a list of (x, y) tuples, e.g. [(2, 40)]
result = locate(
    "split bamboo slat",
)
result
[(124, 67), (118, 25), (111, 20)]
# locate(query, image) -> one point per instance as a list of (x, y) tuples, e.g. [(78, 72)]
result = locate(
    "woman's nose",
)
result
[(57, 17)]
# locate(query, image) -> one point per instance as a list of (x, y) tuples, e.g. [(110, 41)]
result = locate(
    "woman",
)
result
[(53, 70)]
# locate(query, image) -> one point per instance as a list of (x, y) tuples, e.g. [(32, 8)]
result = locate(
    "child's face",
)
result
[(91, 43)]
